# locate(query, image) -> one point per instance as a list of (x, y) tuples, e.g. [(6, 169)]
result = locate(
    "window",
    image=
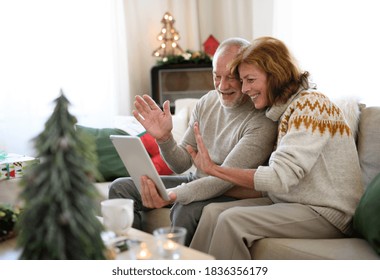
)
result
[(49, 45), (337, 42)]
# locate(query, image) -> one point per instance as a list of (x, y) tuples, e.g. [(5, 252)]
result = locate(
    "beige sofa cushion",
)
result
[(10, 191), (351, 112), (180, 121), (187, 103), (369, 143), (313, 249)]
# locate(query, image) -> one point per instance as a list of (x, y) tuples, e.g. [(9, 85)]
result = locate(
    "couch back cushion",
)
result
[(351, 111), (110, 165), (369, 143), (183, 109)]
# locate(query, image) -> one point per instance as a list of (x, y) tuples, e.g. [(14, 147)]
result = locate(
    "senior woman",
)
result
[(311, 185)]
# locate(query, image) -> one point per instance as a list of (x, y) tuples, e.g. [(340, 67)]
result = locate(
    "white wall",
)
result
[(263, 18), (338, 42)]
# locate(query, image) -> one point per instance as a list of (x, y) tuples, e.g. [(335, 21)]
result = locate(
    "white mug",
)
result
[(117, 214)]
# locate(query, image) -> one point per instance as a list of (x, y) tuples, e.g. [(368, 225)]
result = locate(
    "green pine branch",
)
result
[(189, 57)]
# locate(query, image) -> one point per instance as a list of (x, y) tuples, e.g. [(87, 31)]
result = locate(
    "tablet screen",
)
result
[(137, 161)]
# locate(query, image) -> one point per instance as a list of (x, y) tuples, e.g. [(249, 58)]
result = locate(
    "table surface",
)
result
[(8, 250)]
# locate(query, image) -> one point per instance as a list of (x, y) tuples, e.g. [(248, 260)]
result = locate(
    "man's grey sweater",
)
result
[(240, 137)]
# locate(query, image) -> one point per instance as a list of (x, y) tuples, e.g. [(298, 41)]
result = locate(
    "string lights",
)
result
[(168, 38)]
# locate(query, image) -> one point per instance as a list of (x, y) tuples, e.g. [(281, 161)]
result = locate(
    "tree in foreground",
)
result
[(58, 220)]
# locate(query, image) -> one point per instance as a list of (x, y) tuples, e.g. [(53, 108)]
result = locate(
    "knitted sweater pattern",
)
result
[(315, 114), (315, 162)]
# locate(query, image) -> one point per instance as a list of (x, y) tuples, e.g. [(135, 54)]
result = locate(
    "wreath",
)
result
[(188, 57)]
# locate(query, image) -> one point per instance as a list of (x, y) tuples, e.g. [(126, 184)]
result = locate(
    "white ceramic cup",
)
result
[(117, 214)]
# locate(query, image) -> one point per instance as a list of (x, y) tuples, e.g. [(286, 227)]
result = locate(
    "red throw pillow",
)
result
[(154, 152)]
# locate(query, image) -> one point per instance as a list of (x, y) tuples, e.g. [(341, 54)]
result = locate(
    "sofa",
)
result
[(364, 122)]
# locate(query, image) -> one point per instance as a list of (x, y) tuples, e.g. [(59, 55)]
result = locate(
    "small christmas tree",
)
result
[(168, 38), (58, 221)]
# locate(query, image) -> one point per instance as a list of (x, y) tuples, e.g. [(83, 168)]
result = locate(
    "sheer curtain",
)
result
[(99, 52), (47, 46), (336, 41), (195, 20)]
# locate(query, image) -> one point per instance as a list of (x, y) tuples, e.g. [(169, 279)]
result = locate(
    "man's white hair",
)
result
[(227, 44)]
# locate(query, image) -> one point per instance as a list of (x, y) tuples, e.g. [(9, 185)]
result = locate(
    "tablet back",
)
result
[(137, 161)]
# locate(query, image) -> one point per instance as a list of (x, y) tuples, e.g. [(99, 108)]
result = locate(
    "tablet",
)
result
[(137, 161)]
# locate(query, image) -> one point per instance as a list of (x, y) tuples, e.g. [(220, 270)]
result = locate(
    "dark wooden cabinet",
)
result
[(175, 81)]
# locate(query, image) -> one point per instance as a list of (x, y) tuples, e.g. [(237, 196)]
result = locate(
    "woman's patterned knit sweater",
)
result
[(315, 162)]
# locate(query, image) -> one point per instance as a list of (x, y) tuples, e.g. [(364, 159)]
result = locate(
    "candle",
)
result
[(169, 249), (170, 245), (143, 252), (169, 240)]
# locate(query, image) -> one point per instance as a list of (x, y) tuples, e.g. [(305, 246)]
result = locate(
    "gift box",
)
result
[(14, 166)]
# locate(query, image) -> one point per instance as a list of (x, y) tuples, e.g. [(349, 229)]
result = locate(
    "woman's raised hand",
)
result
[(201, 157)]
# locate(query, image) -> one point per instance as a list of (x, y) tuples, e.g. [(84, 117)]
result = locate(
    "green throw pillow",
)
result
[(367, 214), (110, 165)]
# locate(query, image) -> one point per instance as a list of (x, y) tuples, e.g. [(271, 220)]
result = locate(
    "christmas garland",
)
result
[(188, 57), (8, 219)]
